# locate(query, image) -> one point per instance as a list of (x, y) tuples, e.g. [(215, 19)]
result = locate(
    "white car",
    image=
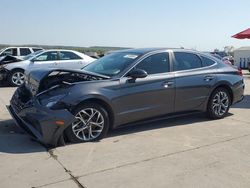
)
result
[(69, 59), (18, 52)]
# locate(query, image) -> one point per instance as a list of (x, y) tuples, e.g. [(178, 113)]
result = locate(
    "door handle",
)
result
[(168, 84), (208, 78)]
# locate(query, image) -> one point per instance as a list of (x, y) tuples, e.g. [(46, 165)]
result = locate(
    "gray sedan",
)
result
[(122, 88)]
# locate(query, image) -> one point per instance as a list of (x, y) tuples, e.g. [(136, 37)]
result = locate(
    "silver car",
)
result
[(13, 71)]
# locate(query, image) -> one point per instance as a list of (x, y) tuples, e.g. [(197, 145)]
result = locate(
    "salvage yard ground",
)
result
[(190, 151)]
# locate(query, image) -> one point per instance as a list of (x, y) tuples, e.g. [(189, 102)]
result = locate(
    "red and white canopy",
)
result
[(243, 34)]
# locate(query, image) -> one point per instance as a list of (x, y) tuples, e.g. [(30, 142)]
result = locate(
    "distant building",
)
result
[(242, 57)]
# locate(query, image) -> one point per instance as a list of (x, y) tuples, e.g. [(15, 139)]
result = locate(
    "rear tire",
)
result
[(92, 124), (16, 78), (218, 104)]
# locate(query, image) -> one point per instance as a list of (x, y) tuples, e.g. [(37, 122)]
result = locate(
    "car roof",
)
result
[(148, 50), (22, 47), (139, 50), (143, 51), (48, 50)]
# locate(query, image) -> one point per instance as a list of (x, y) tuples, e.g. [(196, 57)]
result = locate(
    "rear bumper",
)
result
[(238, 92), (40, 122)]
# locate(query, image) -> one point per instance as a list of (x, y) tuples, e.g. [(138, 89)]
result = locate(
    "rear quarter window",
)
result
[(207, 61), (36, 49)]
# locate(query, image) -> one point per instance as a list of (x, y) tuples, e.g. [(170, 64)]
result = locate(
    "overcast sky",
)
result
[(203, 25)]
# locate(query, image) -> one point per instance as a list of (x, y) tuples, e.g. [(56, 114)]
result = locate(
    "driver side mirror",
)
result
[(137, 73)]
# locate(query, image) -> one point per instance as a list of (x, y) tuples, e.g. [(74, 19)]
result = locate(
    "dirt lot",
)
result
[(186, 152)]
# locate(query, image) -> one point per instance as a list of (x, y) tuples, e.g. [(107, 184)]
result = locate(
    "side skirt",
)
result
[(160, 118)]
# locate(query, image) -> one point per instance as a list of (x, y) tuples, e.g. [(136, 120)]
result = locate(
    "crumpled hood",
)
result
[(39, 80), (9, 59)]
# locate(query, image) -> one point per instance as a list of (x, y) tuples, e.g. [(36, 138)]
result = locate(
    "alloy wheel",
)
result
[(220, 103), (89, 124), (18, 78)]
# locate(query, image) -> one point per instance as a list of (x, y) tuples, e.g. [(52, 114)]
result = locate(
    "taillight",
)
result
[(240, 72)]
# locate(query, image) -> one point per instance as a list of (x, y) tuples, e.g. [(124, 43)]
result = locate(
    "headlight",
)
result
[(50, 102)]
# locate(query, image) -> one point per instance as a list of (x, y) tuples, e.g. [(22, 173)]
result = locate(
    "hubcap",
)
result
[(220, 103), (18, 78), (88, 125)]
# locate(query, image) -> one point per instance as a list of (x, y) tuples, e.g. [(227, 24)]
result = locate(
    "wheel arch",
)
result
[(226, 86), (11, 73), (102, 103), (16, 69)]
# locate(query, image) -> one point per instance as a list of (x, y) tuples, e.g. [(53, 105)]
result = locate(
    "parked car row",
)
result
[(12, 68), (122, 88)]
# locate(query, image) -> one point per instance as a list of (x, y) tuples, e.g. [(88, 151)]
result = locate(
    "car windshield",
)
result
[(30, 56), (112, 64)]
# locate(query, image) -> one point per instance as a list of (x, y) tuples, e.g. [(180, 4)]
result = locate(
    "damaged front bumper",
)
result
[(40, 122)]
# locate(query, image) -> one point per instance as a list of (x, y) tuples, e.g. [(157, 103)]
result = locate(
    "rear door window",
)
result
[(64, 55), (186, 61), (207, 61)]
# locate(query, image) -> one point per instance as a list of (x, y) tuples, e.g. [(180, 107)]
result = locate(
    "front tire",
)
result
[(92, 123), (219, 104), (16, 78)]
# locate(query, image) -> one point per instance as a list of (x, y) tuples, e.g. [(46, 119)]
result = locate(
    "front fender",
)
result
[(90, 97)]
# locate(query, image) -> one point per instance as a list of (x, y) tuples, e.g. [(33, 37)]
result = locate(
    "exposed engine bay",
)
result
[(68, 78), (40, 81)]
